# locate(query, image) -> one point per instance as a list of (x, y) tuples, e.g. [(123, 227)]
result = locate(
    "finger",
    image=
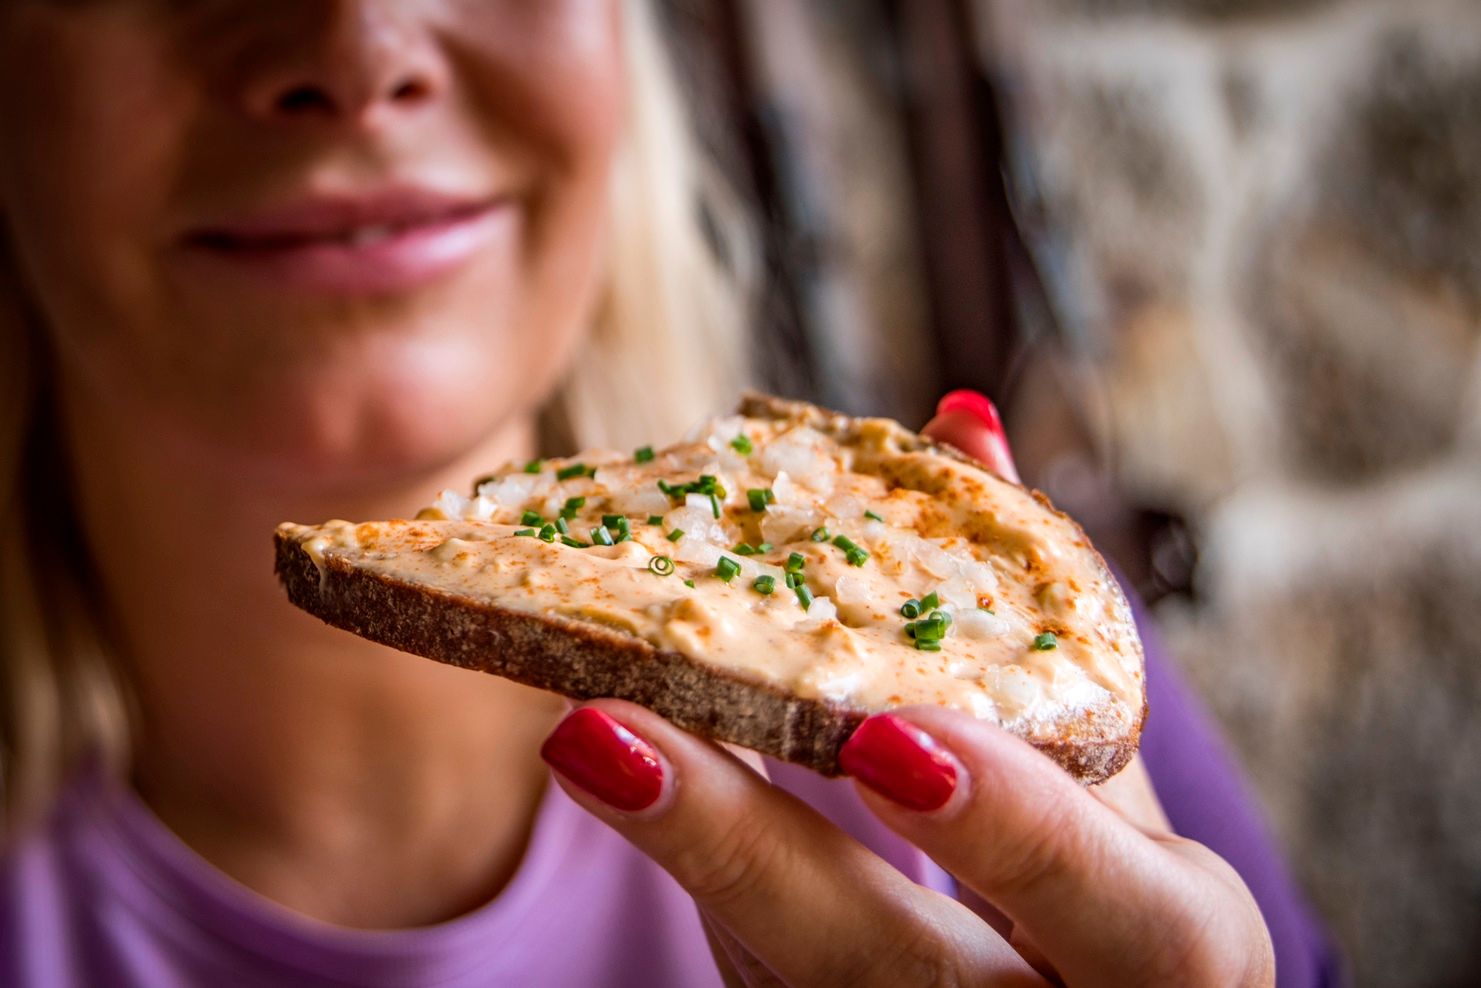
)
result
[(731, 958), (1129, 792), (970, 422), (1087, 888), (809, 902)]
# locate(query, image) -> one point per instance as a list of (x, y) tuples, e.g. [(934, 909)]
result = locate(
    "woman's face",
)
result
[(335, 238)]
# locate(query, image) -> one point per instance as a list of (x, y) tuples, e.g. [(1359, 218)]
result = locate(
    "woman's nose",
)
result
[(343, 62)]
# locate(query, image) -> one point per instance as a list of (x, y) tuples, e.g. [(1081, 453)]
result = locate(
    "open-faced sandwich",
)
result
[(770, 581)]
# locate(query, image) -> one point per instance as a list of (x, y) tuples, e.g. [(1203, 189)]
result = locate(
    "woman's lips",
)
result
[(381, 244)]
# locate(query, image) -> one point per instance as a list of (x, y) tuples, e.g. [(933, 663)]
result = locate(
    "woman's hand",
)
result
[(1084, 889)]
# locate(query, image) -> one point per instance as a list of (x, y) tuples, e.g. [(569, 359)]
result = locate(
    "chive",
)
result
[(655, 519), (794, 580), (872, 516), (600, 536), (526, 531), (765, 584), (931, 628), (573, 505), (804, 595), (727, 568), (624, 531), (820, 535), (675, 535), (743, 549), (547, 532), (611, 521), (531, 518), (764, 547), (856, 557), (575, 543), (930, 601), (643, 454), (928, 646), (844, 542), (758, 499), (910, 609), (742, 445), (1045, 641), (689, 584), (661, 565), (715, 505), (795, 562), (574, 470), (561, 526), (534, 466), (706, 484)]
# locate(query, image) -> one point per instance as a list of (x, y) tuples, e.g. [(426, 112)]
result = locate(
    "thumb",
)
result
[(1091, 891)]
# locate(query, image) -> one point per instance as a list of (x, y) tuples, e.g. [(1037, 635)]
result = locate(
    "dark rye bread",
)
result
[(582, 660)]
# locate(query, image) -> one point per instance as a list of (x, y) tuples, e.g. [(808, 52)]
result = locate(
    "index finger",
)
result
[(810, 902)]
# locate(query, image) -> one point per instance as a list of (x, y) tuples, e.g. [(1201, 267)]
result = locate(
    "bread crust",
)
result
[(582, 660)]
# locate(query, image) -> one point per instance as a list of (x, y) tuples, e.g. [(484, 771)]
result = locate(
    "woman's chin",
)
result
[(379, 423)]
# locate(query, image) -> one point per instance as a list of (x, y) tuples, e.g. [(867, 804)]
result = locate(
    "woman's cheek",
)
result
[(92, 123)]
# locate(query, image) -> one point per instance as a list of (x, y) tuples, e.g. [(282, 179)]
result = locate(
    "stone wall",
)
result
[(1261, 229)]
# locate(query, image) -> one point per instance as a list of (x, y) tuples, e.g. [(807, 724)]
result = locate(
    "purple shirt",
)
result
[(106, 894)]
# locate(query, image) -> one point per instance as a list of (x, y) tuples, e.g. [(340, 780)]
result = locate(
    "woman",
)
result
[(301, 260)]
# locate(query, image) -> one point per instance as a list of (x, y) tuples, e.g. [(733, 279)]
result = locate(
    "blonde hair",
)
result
[(670, 312)]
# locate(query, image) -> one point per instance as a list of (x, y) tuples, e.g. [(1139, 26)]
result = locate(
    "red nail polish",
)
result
[(900, 762), (976, 404), (606, 759)]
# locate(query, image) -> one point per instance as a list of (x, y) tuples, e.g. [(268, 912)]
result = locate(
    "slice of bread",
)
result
[(771, 581)]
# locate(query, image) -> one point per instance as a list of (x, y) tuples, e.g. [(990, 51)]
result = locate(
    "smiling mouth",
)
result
[(392, 242), (267, 236)]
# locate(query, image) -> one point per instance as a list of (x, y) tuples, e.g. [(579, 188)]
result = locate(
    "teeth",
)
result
[(366, 235)]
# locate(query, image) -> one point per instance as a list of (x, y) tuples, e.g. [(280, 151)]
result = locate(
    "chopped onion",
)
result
[(706, 554), (844, 507), (451, 504), (958, 593), (716, 433), (516, 489), (640, 503), (977, 623), (934, 559), (697, 521), (818, 613), (787, 492), (851, 589), (1015, 687), (946, 563), (782, 525), (799, 453)]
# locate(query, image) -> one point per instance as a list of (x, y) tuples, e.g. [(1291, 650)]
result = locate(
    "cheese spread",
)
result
[(865, 573)]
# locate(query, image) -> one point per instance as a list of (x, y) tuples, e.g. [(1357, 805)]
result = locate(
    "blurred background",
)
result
[(1219, 261)]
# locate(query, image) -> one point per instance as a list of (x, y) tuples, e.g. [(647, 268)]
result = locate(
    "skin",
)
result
[(194, 401), (337, 777)]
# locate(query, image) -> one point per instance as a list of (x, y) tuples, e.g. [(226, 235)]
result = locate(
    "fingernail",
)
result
[(900, 762), (605, 759), (976, 404)]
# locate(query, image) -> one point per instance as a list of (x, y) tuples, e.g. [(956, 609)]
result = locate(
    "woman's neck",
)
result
[(336, 776)]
